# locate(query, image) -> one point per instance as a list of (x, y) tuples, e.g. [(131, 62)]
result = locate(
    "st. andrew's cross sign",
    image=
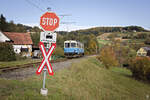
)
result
[(46, 57)]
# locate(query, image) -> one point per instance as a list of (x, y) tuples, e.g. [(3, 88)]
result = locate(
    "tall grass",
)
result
[(86, 80)]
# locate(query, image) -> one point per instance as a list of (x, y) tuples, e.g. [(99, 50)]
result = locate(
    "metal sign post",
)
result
[(44, 90), (45, 69)]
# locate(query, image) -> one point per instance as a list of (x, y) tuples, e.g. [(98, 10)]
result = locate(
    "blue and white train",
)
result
[(73, 48)]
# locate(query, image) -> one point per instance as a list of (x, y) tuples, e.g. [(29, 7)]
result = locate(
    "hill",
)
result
[(101, 30)]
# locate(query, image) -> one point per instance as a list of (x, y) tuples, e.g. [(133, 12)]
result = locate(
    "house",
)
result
[(36, 53), (143, 51), (22, 42)]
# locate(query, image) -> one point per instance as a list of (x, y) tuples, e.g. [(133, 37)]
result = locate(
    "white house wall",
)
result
[(17, 49), (3, 38)]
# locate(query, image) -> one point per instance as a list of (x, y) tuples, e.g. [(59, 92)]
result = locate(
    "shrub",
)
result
[(58, 52), (140, 68), (107, 57), (7, 52), (123, 53), (147, 41), (20, 57)]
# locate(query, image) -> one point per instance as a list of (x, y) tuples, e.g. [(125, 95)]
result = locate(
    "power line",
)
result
[(31, 3)]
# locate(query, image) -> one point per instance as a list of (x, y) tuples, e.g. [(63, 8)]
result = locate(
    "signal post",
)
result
[(49, 21)]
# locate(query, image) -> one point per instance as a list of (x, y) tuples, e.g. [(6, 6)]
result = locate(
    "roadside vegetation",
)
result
[(18, 62), (7, 52), (107, 57), (88, 80), (140, 67)]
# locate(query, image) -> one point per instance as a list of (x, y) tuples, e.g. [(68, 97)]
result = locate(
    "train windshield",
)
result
[(67, 45), (73, 44)]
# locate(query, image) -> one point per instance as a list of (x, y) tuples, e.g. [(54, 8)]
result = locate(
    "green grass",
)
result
[(18, 62), (102, 42), (86, 80)]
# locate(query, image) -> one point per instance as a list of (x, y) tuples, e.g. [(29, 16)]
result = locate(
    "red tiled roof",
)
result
[(19, 38)]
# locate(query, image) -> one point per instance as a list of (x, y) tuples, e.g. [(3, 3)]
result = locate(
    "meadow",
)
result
[(87, 80)]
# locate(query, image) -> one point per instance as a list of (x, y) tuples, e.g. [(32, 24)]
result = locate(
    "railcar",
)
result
[(73, 48)]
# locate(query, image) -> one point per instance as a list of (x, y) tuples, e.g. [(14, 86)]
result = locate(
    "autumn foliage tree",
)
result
[(92, 46), (140, 68), (107, 57)]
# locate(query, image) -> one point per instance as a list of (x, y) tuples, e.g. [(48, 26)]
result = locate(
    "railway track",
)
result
[(23, 71), (36, 64), (11, 68)]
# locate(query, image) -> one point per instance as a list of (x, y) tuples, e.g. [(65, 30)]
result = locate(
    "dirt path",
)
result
[(27, 72)]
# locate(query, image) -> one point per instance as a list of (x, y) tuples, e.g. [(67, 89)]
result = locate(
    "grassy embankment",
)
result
[(18, 62), (87, 80), (102, 42), (23, 61)]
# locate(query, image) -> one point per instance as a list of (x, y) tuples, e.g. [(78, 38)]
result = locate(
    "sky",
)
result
[(81, 14)]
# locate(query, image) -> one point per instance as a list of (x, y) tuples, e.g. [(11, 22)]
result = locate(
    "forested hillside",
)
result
[(6, 26)]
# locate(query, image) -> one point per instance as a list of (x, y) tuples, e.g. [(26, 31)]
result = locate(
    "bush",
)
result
[(107, 57), (123, 53), (20, 57), (7, 52), (147, 41), (140, 68), (58, 52)]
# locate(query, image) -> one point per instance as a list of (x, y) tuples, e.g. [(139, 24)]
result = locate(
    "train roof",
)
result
[(72, 41)]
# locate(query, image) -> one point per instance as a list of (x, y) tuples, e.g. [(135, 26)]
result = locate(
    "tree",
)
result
[(107, 57), (7, 52), (35, 38), (140, 68), (35, 29), (11, 27), (92, 46), (147, 41), (136, 28), (58, 52), (3, 23)]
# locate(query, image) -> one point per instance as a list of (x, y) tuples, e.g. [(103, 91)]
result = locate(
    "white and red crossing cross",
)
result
[(46, 57)]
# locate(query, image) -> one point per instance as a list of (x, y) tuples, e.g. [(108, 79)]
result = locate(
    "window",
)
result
[(67, 45), (24, 49), (139, 54), (73, 45), (143, 54)]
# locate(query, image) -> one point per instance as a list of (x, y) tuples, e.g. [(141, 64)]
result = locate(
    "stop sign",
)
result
[(49, 21)]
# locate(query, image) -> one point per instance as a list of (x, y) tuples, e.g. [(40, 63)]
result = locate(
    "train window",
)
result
[(73, 44), (67, 45)]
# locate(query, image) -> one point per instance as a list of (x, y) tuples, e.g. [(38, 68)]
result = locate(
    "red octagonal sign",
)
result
[(49, 21)]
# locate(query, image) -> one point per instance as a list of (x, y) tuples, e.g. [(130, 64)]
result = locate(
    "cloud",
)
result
[(63, 27), (72, 27), (32, 24)]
